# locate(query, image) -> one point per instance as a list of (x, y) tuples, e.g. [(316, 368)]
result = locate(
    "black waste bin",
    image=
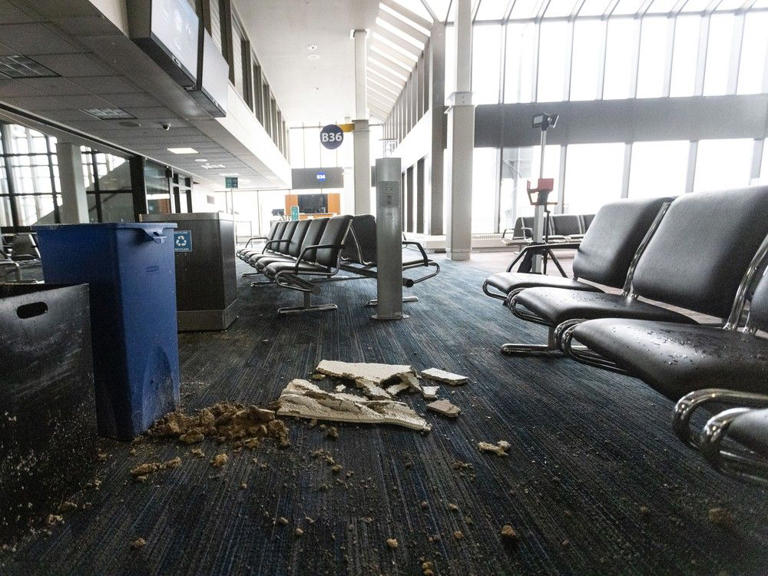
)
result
[(47, 406)]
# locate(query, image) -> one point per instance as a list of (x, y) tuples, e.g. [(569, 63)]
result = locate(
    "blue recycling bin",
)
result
[(131, 272)]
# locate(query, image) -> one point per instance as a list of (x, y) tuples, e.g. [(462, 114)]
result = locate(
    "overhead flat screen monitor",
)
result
[(212, 77), (313, 203), (168, 31)]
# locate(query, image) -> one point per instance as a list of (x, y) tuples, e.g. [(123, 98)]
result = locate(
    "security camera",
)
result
[(167, 126)]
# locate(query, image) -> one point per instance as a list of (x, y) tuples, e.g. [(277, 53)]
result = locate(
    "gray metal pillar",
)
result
[(389, 237), (74, 202), (437, 112), (362, 136), (461, 141)]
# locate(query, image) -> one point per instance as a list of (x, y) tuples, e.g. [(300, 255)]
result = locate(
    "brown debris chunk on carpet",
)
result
[(243, 426)]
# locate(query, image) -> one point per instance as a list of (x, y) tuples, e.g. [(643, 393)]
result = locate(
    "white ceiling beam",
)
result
[(404, 27), (396, 75), (386, 99), (412, 16), (383, 50), (396, 85), (392, 38), (381, 87)]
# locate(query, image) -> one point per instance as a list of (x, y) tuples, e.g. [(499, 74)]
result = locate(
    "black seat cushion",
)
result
[(507, 281), (290, 266), (262, 263), (678, 358), (556, 305), (702, 248), (751, 430), (566, 224)]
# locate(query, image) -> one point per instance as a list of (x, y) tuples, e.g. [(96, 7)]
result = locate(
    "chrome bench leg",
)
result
[(521, 349)]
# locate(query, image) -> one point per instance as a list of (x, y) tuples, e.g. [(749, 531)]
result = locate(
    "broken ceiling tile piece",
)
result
[(445, 408), (429, 392), (500, 448), (340, 388), (396, 389), (376, 373), (411, 380), (303, 399), (443, 376), (372, 389)]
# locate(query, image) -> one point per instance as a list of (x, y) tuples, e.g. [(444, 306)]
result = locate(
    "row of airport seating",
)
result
[(562, 228), (296, 252), (705, 253)]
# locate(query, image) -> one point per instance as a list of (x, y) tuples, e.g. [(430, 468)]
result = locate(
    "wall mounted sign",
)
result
[(331, 136)]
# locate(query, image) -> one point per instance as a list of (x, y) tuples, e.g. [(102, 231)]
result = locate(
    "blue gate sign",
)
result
[(182, 240), (331, 136)]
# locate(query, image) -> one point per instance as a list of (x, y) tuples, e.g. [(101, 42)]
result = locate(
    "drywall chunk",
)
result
[(306, 400), (372, 390), (445, 408), (371, 377), (429, 392), (443, 376), (500, 448), (396, 389)]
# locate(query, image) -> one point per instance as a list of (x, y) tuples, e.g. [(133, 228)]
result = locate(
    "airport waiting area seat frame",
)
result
[(360, 255), (608, 255), (298, 254), (695, 261)]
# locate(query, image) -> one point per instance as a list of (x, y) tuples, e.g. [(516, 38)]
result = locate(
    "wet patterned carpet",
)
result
[(595, 482)]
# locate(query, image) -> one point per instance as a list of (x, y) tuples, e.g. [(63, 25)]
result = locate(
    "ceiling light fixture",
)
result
[(182, 151), (19, 66), (201, 159), (108, 113), (311, 47), (313, 57)]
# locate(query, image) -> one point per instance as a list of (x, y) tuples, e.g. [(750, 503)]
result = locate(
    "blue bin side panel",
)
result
[(148, 280), (131, 274)]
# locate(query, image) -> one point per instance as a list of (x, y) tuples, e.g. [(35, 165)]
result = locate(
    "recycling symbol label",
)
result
[(182, 241)]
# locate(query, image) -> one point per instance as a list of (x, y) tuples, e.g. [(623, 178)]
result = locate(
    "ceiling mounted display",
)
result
[(168, 31)]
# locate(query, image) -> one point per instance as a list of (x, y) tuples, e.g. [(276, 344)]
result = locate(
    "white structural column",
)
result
[(461, 142), (362, 137), (74, 202)]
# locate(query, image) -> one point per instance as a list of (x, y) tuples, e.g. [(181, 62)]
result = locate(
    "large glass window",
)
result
[(658, 168), (719, 48), (654, 47), (593, 176), (520, 62), (587, 59), (764, 166), (518, 166), (722, 164), (484, 188), (685, 53), (486, 64), (554, 53), (620, 57), (754, 47)]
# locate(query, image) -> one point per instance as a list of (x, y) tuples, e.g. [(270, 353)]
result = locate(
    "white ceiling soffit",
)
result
[(282, 34), (98, 66), (396, 43)]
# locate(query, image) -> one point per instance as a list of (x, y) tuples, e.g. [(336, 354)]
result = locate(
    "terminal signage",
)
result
[(321, 176), (331, 136)]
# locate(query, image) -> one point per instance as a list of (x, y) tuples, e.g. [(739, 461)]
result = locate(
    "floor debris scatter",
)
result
[(720, 517), (444, 408), (243, 426), (429, 392), (392, 543), (303, 399), (443, 376), (219, 460), (138, 544), (500, 448)]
